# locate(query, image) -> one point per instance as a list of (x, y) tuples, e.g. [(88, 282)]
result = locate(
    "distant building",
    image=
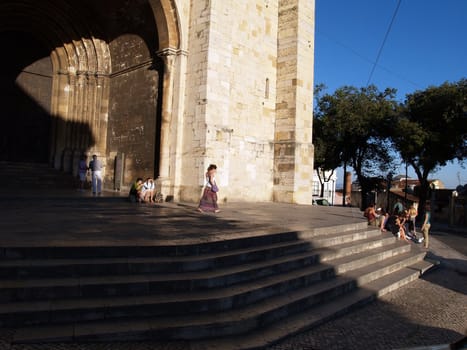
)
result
[(401, 187), (401, 182), (329, 186)]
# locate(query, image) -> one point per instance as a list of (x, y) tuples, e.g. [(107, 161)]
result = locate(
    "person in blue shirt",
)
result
[(398, 207)]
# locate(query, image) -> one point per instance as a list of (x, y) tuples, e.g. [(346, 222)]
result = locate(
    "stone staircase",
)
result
[(33, 176), (241, 293)]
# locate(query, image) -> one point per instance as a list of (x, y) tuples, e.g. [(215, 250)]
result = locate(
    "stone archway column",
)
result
[(171, 111), (60, 96), (98, 120)]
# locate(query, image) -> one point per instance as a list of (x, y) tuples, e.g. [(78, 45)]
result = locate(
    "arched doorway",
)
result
[(25, 96), (93, 82)]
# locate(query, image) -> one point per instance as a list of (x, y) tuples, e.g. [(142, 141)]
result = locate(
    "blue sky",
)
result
[(427, 45)]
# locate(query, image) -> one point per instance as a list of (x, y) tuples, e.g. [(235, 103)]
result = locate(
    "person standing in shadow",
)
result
[(95, 165), (82, 171)]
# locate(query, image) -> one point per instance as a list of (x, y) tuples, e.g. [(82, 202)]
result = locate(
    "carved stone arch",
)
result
[(80, 88), (80, 67), (166, 18), (90, 72)]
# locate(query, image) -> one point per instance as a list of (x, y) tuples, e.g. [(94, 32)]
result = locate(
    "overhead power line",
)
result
[(366, 59), (384, 42)]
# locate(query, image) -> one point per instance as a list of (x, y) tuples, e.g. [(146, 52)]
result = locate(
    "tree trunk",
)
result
[(423, 197)]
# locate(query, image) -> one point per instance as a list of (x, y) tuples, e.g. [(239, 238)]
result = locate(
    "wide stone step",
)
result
[(369, 257), (52, 288), (234, 241), (317, 315), (366, 274), (188, 326), (315, 299), (346, 249), (59, 267), (335, 229), (332, 239), (43, 268), (14, 314), (33, 176), (214, 300), (110, 285)]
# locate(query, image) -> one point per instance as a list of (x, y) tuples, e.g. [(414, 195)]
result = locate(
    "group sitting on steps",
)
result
[(401, 222), (144, 192)]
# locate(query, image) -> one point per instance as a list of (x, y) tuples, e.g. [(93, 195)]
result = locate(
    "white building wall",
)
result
[(329, 186)]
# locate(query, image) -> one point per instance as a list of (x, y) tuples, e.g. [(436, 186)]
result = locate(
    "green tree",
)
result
[(432, 130), (360, 121), (327, 155)]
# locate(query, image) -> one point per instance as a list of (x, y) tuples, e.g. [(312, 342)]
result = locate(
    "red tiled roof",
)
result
[(402, 194)]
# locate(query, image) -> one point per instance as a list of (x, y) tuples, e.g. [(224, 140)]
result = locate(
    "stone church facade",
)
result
[(163, 88)]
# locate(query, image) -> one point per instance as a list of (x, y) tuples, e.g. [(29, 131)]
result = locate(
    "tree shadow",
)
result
[(454, 273)]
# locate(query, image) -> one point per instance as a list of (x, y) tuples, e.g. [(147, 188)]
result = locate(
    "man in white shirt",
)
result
[(95, 165)]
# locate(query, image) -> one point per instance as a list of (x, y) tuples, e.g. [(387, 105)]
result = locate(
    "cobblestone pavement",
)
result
[(429, 311), (452, 240)]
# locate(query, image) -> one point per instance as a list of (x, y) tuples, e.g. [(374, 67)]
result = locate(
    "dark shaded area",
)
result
[(30, 31), (25, 131), (424, 313), (457, 268)]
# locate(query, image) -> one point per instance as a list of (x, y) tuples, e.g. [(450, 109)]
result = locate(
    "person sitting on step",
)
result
[(135, 191), (370, 214), (148, 190)]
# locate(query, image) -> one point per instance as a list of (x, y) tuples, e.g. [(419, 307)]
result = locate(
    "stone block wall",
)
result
[(248, 103), (230, 105), (133, 113), (293, 161)]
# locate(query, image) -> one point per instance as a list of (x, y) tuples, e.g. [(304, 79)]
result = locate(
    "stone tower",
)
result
[(163, 88)]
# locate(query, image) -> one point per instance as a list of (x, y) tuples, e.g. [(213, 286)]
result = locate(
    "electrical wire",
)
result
[(366, 59), (384, 42)]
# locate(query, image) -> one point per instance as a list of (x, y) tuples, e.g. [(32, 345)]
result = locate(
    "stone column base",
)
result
[(164, 185)]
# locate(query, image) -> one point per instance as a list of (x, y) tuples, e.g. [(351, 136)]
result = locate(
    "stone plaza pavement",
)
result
[(431, 310)]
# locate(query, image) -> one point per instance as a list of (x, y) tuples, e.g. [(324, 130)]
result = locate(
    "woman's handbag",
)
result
[(214, 188)]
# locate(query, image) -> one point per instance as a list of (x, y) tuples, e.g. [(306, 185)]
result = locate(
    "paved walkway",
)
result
[(78, 219), (431, 310)]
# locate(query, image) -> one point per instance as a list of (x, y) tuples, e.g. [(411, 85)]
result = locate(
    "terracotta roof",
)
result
[(401, 194)]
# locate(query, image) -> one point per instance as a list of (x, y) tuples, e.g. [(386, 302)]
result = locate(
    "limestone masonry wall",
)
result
[(240, 54), (230, 105)]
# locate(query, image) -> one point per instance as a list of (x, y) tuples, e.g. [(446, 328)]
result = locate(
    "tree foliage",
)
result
[(432, 130), (327, 147), (353, 126)]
